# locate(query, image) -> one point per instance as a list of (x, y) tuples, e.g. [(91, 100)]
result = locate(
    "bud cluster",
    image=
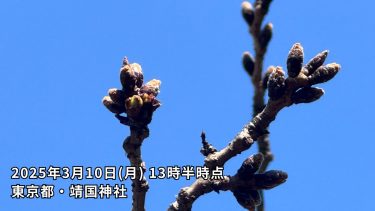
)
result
[(249, 198), (136, 99), (314, 72)]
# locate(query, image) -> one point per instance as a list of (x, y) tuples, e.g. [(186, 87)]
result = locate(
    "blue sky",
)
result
[(59, 58)]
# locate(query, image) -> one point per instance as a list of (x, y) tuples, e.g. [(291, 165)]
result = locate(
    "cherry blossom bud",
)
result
[(269, 179), (307, 95), (265, 35), (276, 84), (248, 63), (250, 166), (146, 98), (117, 96), (131, 76), (295, 60), (267, 76), (324, 73), (315, 62), (111, 106), (263, 6), (247, 12), (152, 87), (133, 105)]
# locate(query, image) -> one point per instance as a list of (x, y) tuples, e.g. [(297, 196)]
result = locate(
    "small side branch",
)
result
[(207, 148)]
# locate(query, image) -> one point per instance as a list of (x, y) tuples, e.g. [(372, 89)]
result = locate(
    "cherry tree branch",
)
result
[(132, 146), (283, 92)]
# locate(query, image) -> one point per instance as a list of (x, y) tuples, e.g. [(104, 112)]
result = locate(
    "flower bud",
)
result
[(315, 62), (267, 76), (295, 60), (250, 166), (263, 6), (265, 35), (152, 87), (150, 101), (247, 12), (276, 84), (324, 73), (125, 61), (117, 96), (111, 106), (133, 105), (155, 104), (131, 76), (269, 179), (248, 63), (146, 98), (248, 199), (307, 95)]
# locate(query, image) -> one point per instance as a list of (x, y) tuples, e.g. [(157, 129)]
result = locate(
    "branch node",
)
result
[(207, 148)]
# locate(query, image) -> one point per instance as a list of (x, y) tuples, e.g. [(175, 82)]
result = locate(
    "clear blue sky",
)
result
[(59, 58)]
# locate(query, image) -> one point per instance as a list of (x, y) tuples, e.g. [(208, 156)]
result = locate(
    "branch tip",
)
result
[(207, 148)]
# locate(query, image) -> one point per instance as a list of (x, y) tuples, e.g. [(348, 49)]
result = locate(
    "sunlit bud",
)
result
[(133, 105), (263, 5), (315, 62), (138, 73), (265, 35), (295, 60), (276, 84), (111, 106), (152, 87), (248, 63), (147, 98), (247, 12), (131, 76), (267, 76), (324, 73), (117, 96)]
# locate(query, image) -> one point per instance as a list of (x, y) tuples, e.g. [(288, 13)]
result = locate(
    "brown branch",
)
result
[(132, 146), (260, 48), (282, 93), (250, 132)]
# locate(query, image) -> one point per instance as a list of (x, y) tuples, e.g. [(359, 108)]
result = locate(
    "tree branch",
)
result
[(254, 18), (282, 93), (132, 146)]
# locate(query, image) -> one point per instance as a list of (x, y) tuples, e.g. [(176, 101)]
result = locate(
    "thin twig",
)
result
[(132, 146), (256, 76)]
